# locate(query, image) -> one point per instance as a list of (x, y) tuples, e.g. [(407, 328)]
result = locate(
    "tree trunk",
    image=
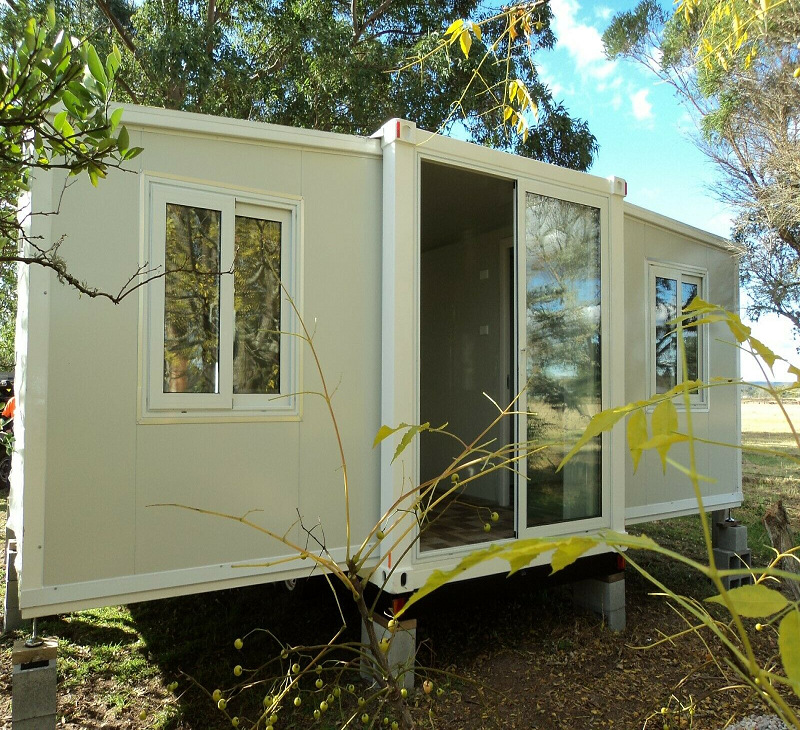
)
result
[(776, 521)]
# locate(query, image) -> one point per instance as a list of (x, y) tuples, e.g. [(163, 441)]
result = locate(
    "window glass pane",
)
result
[(257, 306), (691, 338), (666, 345), (191, 300), (563, 356)]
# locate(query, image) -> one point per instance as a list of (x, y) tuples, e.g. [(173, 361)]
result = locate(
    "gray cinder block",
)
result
[(402, 649), (33, 686), (604, 597)]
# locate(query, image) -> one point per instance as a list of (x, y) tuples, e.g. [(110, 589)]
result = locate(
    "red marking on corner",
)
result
[(390, 560), (398, 129)]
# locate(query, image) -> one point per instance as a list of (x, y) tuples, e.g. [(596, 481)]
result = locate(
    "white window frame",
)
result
[(680, 273), (224, 405)]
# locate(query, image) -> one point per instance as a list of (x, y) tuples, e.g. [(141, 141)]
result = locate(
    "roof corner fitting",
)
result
[(618, 185), (394, 130)]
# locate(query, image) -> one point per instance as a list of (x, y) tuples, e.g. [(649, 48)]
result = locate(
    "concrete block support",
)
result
[(402, 649), (33, 686), (605, 597), (12, 616), (733, 560)]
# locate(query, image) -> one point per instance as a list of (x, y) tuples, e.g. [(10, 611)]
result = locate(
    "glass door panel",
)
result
[(562, 363)]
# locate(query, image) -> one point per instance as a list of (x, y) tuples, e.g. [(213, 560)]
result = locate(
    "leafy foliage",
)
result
[(735, 66), (325, 65)]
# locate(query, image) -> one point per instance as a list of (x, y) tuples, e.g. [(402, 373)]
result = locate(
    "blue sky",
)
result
[(643, 132)]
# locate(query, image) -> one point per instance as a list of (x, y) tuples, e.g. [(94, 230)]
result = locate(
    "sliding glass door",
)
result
[(560, 333)]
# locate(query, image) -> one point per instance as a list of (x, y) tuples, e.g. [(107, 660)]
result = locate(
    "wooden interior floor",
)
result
[(461, 520)]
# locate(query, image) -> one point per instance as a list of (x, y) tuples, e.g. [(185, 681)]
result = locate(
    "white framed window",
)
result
[(672, 287), (218, 321)]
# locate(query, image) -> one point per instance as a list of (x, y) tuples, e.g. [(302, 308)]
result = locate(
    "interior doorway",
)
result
[(467, 348)]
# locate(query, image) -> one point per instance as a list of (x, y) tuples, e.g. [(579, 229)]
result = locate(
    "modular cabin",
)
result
[(438, 278)]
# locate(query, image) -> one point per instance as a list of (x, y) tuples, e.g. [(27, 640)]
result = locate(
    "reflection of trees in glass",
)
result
[(691, 337), (257, 305), (563, 302), (666, 337), (563, 354), (667, 309), (191, 300)]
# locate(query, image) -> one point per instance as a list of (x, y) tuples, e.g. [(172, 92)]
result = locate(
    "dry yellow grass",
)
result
[(758, 417)]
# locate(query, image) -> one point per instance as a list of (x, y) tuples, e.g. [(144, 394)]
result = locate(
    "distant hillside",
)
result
[(752, 392)]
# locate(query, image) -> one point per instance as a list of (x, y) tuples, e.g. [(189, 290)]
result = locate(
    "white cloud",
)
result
[(583, 42), (602, 12), (642, 109)]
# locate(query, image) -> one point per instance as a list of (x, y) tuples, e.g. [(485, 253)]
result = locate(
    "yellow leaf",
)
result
[(754, 601), (507, 112), (637, 435), (569, 551), (767, 355), (664, 422), (386, 431), (476, 29), (789, 646), (454, 28), (603, 421), (512, 90), (438, 578), (465, 39)]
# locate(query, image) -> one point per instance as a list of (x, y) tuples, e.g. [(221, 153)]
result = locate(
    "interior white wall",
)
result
[(465, 324)]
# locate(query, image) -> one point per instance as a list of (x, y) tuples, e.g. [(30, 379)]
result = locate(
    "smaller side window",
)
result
[(672, 289)]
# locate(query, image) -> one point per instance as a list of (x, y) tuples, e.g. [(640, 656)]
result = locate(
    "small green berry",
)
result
[(317, 714), (267, 700), (319, 683), (486, 527), (273, 719), (439, 691), (395, 726), (143, 715), (365, 718), (295, 668), (337, 692), (392, 625), (404, 693), (298, 701), (237, 670), (380, 534), (384, 645), (235, 721), (238, 644), (495, 517), (217, 695), (222, 704), (385, 720), (361, 701), (351, 688), (323, 706)]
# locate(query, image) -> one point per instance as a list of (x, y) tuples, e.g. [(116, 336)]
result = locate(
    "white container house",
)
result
[(431, 271)]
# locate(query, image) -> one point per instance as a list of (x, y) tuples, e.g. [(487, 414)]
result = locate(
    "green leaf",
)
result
[(664, 422), (754, 601), (58, 121), (637, 435), (123, 140), (767, 355), (385, 431), (51, 15), (570, 550), (95, 66), (789, 647), (116, 115), (407, 437)]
